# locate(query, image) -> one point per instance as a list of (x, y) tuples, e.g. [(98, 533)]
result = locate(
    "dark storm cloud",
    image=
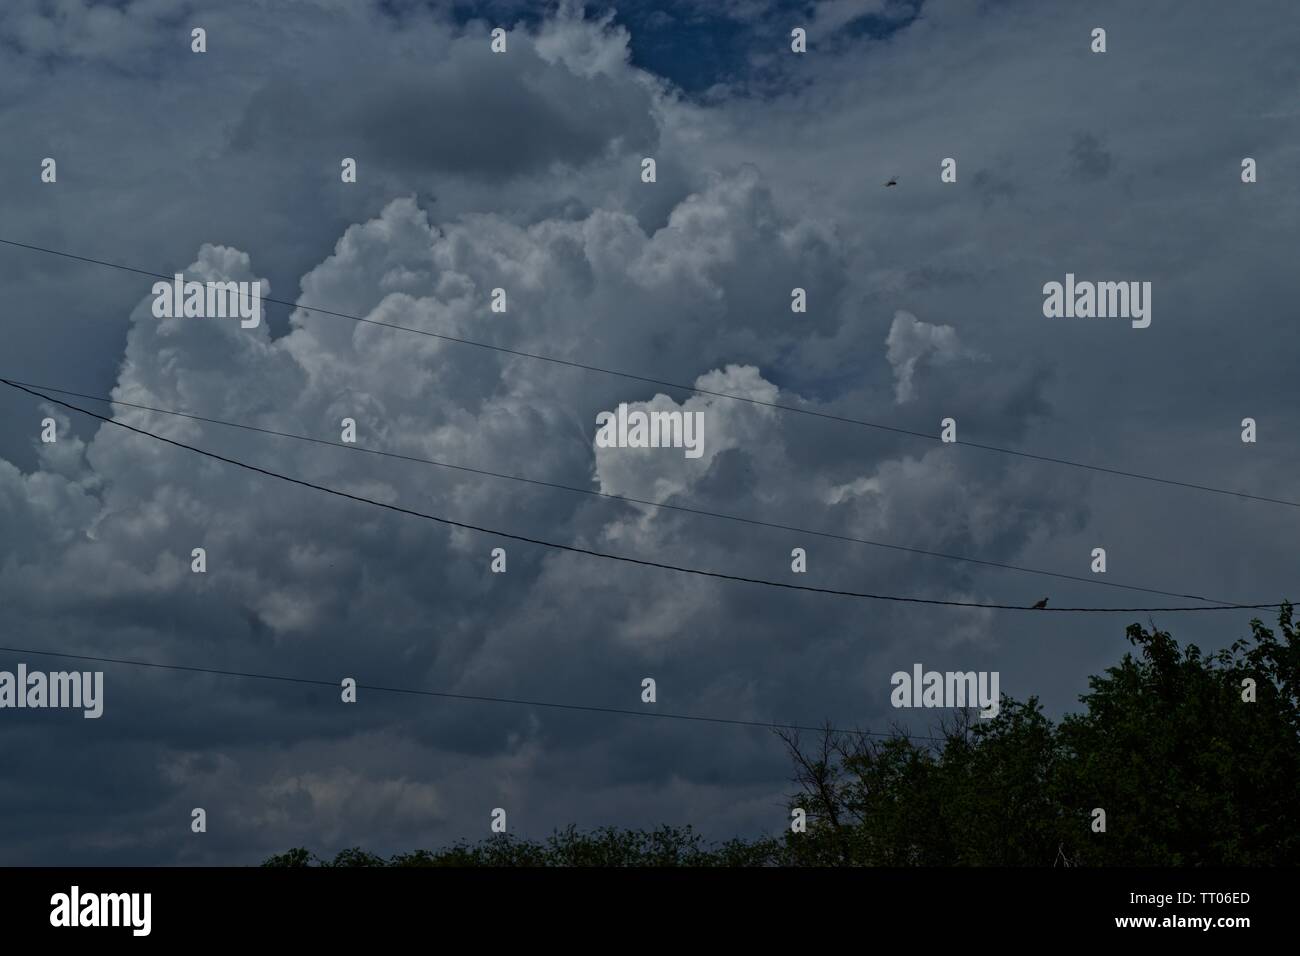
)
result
[(463, 113)]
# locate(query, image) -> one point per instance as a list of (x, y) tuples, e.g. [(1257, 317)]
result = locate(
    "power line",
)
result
[(643, 562), (662, 715), (610, 496), (691, 388)]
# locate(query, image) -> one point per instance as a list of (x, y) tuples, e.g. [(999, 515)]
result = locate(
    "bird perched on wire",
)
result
[(1041, 605), (893, 181)]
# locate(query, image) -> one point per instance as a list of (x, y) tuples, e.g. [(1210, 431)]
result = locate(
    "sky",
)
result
[(523, 171)]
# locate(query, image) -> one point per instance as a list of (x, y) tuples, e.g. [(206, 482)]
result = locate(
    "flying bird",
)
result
[(1041, 604), (893, 181)]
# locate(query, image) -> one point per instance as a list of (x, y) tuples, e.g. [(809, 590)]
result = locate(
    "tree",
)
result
[(1187, 770), (1190, 773)]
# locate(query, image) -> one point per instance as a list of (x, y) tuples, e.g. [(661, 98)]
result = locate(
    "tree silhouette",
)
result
[(1187, 770)]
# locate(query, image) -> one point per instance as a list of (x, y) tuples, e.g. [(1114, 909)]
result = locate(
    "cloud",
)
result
[(911, 341), (470, 112), (294, 579)]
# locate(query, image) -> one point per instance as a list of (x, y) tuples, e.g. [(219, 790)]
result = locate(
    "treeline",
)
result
[(1192, 759), (610, 846)]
